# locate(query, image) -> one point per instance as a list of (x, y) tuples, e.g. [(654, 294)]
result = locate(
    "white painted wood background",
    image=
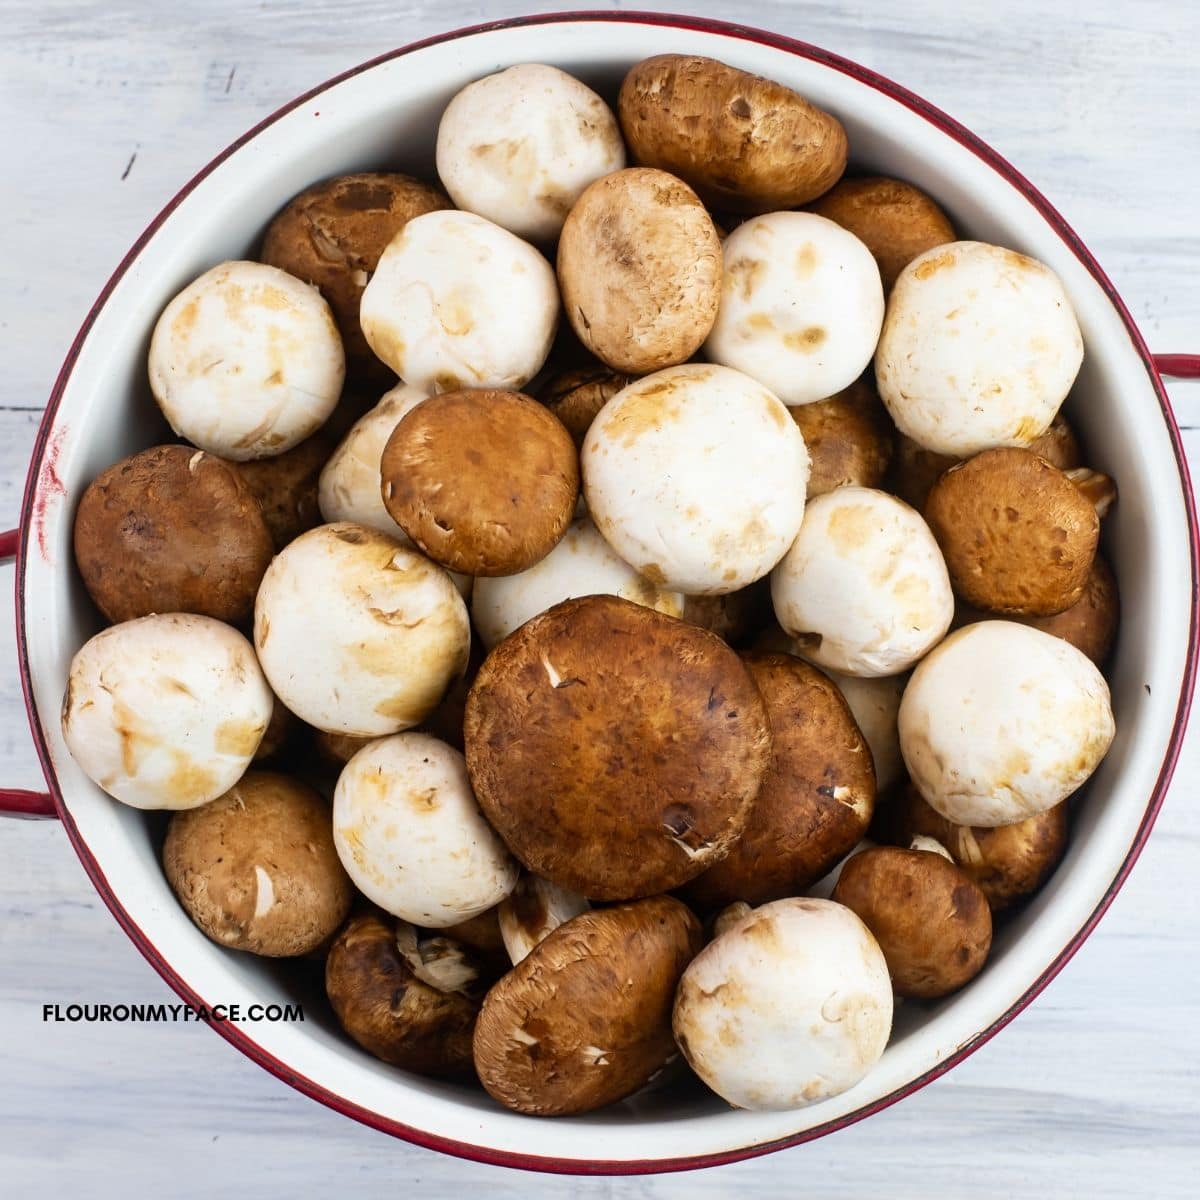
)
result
[(105, 108)]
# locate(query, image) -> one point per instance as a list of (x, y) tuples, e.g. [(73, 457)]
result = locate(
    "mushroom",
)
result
[(332, 234), (639, 265), (585, 1018), (863, 589), (816, 799), (358, 634), (849, 439), (582, 564), (423, 1025), (745, 143), (979, 349), (1001, 722), (165, 711), (791, 1005), (895, 220), (519, 146), (733, 616), (286, 487), (617, 751), (338, 748), (411, 836), (256, 869), (823, 888), (459, 302), (729, 916), (171, 529), (246, 361), (696, 477), (931, 920), (482, 934), (532, 911), (1017, 535), (801, 306), (483, 481), (278, 732), (875, 704), (576, 396)]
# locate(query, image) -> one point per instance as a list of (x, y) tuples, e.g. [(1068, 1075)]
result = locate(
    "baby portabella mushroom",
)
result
[(458, 302), (357, 633), (1090, 624), (411, 835), (801, 306), (533, 910), (286, 487), (519, 146), (618, 751), (256, 869), (864, 588), (584, 1019), (1001, 721), (696, 476), (165, 711), (979, 349), (789, 1006), (246, 361), (849, 439), (576, 396)]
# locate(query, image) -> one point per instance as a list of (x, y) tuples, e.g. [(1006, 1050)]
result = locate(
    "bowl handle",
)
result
[(1178, 366), (17, 802)]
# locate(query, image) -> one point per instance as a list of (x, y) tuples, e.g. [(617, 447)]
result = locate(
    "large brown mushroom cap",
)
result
[(484, 481), (286, 487), (256, 869), (931, 920), (171, 529), (585, 1018), (616, 750), (849, 438), (816, 798), (1017, 535), (577, 395)]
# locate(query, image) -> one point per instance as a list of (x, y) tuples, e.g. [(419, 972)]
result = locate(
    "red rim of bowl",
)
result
[(641, 1166)]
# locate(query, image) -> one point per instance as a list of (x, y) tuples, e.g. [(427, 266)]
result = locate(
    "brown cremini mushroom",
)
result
[(577, 395), (849, 438), (286, 487), (734, 617)]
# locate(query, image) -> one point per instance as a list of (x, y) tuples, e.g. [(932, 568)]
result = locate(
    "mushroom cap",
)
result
[(246, 361), (286, 487), (358, 634), (849, 438), (256, 869), (1090, 624), (484, 481), (1002, 721), (875, 705), (863, 589), (585, 1018), (639, 265), (390, 1012), (576, 396), (616, 750), (979, 348), (582, 564), (1017, 535), (278, 733), (165, 711), (789, 1006), (533, 910), (816, 799), (410, 834), (696, 477), (171, 529), (733, 616), (338, 748), (481, 933), (931, 920), (459, 302), (801, 306), (518, 147)]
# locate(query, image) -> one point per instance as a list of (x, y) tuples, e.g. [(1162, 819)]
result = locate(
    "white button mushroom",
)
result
[(696, 477), (875, 703), (801, 305), (864, 588), (411, 836), (165, 711), (358, 634), (246, 361), (979, 348), (582, 564), (459, 302), (791, 1005), (1002, 722), (518, 147)]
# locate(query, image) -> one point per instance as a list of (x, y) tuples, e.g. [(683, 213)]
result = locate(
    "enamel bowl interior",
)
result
[(387, 115)]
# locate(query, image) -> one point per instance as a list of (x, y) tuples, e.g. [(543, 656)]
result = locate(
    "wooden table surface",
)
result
[(105, 108)]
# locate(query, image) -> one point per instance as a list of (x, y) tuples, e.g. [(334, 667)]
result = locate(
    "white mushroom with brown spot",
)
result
[(979, 348), (696, 476), (532, 911), (790, 1005), (801, 305), (246, 361), (1002, 722), (165, 711), (411, 836)]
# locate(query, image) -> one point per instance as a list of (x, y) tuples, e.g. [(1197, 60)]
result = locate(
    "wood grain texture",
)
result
[(104, 110)]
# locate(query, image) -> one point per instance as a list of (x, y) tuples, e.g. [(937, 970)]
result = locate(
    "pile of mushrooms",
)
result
[(636, 599)]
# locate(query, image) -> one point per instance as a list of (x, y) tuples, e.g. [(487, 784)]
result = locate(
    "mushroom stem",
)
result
[(535, 908), (1100, 489), (441, 962), (930, 846)]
